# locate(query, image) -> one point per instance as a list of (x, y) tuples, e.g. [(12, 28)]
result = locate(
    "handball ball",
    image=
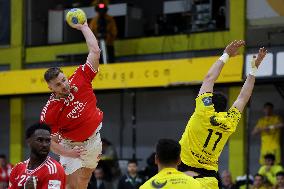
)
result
[(75, 16)]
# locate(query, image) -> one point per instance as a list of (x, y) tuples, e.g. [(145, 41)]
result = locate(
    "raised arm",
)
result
[(92, 43), (248, 86), (215, 70)]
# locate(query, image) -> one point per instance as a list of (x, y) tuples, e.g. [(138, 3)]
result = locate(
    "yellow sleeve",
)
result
[(204, 102), (234, 116)]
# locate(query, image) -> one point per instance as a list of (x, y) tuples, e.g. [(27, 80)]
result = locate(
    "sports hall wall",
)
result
[(172, 105)]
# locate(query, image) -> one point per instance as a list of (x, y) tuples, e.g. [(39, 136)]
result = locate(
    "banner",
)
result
[(128, 75)]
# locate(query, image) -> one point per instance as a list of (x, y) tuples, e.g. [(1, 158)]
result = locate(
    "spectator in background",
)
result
[(131, 180), (95, 2), (109, 160), (258, 182), (227, 181), (269, 170), (280, 180), (269, 127), (98, 180), (5, 170), (104, 26), (151, 169)]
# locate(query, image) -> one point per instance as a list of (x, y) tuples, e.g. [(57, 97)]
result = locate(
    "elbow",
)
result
[(95, 51)]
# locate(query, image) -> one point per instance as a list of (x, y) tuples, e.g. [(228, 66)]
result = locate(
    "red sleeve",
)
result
[(88, 71), (12, 182), (45, 118)]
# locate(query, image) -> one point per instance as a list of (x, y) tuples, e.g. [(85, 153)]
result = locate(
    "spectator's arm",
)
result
[(271, 178), (256, 130)]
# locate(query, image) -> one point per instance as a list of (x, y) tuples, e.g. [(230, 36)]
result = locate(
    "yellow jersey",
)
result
[(269, 139), (170, 178), (206, 133)]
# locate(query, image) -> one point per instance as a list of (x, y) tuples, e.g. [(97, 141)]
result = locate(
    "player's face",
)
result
[(40, 143), (268, 162), (60, 85), (99, 174), (268, 110), (257, 181), (2, 162), (132, 168), (280, 180), (226, 179)]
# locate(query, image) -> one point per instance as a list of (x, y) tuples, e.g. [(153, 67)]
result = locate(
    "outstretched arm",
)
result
[(248, 86), (92, 43), (215, 70)]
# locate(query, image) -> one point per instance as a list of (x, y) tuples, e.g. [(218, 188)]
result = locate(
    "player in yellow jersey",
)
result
[(269, 126), (210, 125), (167, 158)]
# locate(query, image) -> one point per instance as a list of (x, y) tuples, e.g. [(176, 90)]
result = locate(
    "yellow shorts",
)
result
[(208, 182), (276, 152)]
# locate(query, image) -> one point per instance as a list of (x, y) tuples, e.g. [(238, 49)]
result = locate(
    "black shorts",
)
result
[(202, 172)]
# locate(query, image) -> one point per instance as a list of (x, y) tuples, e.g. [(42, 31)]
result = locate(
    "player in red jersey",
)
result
[(40, 171), (72, 114), (5, 170)]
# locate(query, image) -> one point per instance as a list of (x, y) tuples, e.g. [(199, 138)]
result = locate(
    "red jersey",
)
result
[(5, 173), (50, 175), (75, 117)]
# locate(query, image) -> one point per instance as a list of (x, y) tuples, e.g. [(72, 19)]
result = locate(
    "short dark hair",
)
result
[(31, 130), (269, 104), (132, 161), (168, 151), (269, 156), (220, 102), (280, 173), (3, 156), (52, 73)]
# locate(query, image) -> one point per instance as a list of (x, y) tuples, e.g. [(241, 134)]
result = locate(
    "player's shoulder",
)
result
[(51, 101), (149, 184), (19, 166), (53, 166), (205, 99), (203, 95)]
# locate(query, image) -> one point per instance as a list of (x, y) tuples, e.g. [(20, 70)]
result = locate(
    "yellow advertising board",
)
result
[(128, 75)]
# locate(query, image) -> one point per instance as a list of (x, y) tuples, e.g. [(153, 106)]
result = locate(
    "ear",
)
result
[(28, 141), (178, 161), (156, 159), (49, 86)]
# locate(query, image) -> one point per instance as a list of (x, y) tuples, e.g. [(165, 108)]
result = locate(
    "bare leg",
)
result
[(79, 179)]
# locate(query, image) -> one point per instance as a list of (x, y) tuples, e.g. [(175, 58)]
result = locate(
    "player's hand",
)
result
[(76, 152), (80, 26), (30, 183), (232, 48), (260, 56)]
